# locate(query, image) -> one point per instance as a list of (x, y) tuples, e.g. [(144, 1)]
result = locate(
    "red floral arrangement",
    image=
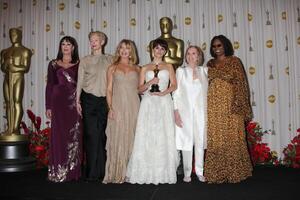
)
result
[(260, 152), (292, 152), (38, 139)]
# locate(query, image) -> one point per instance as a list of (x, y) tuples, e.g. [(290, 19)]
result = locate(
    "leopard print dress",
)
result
[(227, 157)]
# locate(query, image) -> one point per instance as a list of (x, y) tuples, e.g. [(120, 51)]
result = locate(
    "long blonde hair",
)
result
[(133, 57)]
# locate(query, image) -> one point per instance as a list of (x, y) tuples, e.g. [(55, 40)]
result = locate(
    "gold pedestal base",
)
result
[(11, 137)]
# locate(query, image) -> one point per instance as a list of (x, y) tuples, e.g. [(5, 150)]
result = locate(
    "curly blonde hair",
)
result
[(133, 58)]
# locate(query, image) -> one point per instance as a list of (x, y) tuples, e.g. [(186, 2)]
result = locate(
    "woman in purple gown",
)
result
[(65, 152)]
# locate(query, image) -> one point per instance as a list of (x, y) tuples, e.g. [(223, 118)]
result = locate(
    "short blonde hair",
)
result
[(100, 34), (200, 54), (133, 57)]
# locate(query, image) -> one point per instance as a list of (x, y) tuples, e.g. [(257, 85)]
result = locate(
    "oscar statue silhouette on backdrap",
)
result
[(15, 62), (175, 53)]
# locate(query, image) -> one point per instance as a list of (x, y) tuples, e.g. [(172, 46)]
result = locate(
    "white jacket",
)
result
[(192, 107)]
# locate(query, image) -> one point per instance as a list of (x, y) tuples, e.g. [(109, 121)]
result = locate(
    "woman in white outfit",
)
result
[(190, 102), (154, 158)]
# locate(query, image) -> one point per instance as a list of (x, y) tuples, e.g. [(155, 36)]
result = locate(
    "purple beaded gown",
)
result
[(65, 152)]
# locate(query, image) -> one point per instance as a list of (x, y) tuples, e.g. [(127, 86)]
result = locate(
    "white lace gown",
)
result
[(154, 157)]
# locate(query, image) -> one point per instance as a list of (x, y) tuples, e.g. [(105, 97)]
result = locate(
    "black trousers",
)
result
[(94, 113)]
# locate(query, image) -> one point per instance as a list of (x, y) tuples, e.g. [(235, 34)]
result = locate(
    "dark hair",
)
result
[(227, 45), (161, 43), (75, 55)]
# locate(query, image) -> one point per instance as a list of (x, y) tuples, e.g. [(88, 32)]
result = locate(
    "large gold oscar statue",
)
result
[(15, 62), (175, 52)]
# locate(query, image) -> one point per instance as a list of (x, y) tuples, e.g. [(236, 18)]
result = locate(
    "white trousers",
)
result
[(187, 156)]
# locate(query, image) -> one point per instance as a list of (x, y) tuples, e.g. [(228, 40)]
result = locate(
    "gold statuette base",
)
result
[(6, 137)]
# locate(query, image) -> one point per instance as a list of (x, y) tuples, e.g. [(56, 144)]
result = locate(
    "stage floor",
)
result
[(267, 183)]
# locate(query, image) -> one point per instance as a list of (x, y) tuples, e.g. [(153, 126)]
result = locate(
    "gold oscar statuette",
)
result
[(155, 87)]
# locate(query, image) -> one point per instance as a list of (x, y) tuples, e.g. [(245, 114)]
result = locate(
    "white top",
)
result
[(190, 99)]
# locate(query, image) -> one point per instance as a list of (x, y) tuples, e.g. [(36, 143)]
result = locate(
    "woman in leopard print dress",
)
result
[(227, 156)]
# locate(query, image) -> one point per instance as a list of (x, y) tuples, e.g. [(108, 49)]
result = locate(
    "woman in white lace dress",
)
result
[(154, 157)]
